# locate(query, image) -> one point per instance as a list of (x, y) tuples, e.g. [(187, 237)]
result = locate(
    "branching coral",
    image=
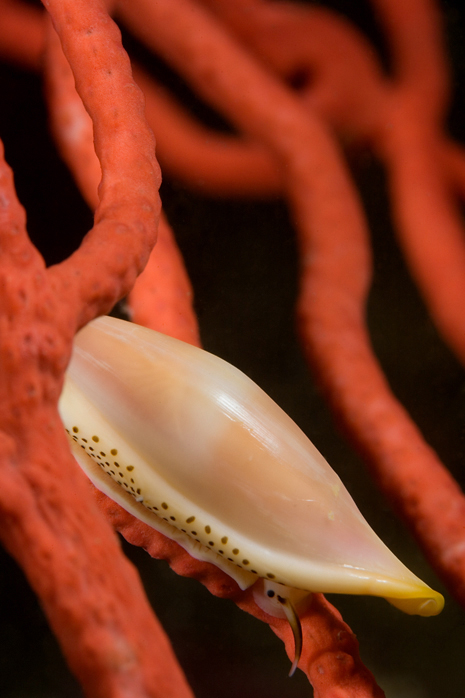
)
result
[(243, 68)]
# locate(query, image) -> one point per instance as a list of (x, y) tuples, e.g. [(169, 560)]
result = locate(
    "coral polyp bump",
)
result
[(190, 445)]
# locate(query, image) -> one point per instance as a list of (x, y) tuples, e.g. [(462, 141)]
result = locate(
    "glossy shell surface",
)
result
[(189, 444)]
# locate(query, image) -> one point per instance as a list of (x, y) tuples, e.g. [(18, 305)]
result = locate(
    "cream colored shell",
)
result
[(190, 445)]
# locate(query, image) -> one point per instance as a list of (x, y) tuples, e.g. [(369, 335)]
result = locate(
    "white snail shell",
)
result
[(190, 445)]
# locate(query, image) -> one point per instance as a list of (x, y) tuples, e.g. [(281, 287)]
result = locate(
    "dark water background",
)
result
[(242, 262)]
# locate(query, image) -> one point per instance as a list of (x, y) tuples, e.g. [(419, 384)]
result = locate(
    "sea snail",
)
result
[(190, 445)]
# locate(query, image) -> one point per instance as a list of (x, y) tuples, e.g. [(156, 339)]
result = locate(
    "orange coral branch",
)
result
[(162, 296), (415, 36), (71, 124), (215, 163), (98, 272), (21, 33), (400, 118)]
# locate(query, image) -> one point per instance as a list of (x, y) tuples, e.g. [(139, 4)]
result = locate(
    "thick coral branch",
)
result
[(91, 594), (46, 516)]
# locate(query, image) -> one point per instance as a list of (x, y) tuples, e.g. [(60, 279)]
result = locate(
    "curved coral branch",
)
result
[(99, 273), (208, 161)]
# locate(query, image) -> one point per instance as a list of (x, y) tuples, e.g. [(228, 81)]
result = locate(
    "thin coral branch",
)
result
[(211, 162), (71, 124), (430, 228), (331, 311), (162, 295), (98, 271), (415, 37), (21, 33)]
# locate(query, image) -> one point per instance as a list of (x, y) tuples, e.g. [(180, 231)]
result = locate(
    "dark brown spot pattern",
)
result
[(213, 542)]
